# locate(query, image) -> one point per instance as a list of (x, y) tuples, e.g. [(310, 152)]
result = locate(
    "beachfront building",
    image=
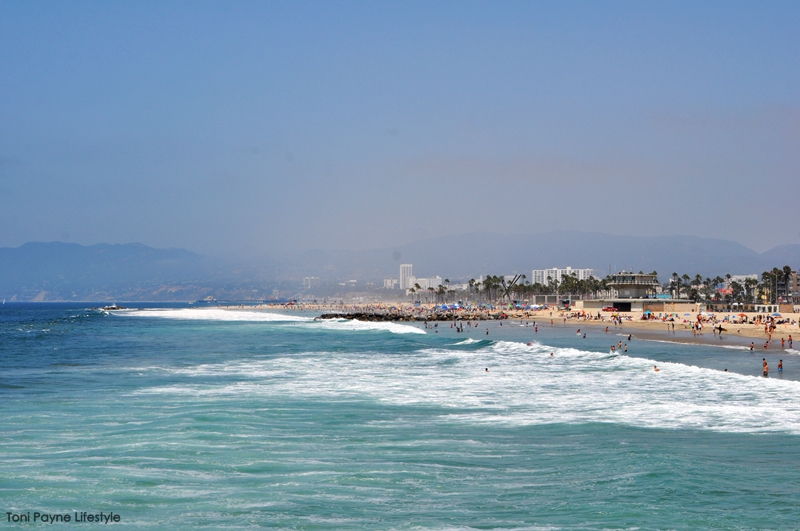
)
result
[(544, 276), (786, 289), (406, 272), (638, 292), (390, 283), (425, 283), (634, 285)]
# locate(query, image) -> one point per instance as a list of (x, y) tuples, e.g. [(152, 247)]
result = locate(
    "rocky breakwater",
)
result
[(416, 317)]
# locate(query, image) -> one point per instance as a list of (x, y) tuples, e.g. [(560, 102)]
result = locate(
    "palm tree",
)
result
[(787, 276), (440, 292), (749, 287)]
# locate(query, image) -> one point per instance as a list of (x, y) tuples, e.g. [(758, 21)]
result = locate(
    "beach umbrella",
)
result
[(776, 314), (742, 315), (686, 314)]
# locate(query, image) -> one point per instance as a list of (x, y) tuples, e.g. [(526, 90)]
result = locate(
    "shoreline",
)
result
[(734, 334)]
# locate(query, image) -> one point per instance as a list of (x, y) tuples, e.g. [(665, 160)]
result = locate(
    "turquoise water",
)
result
[(177, 418)]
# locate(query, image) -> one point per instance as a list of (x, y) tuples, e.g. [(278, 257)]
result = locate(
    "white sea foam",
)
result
[(468, 341), (215, 314), (260, 316), (355, 325), (524, 386)]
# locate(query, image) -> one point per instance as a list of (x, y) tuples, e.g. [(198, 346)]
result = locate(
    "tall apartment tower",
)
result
[(405, 274)]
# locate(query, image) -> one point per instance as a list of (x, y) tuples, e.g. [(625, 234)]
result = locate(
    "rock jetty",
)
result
[(418, 317)]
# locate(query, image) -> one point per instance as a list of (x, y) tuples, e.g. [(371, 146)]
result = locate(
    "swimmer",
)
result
[(656, 369), (578, 332), (751, 346), (726, 370), (487, 331), (606, 330), (487, 369), (551, 354), (626, 347), (629, 337), (584, 336), (780, 366), (766, 369)]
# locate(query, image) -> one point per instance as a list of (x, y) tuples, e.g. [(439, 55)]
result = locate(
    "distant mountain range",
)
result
[(470, 255), (104, 272), (56, 271)]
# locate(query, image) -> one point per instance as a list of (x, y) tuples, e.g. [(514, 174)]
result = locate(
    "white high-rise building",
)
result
[(540, 276), (405, 274)]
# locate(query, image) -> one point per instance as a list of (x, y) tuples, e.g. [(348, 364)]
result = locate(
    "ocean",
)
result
[(179, 418)]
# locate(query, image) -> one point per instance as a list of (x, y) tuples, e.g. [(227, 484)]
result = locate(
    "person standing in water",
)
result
[(766, 368), (780, 366)]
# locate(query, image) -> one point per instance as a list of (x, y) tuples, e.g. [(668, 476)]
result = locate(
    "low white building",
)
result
[(425, 283)]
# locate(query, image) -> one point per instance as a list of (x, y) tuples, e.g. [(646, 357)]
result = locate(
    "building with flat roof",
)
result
[(540, 276), (406, 272), (634, 285)]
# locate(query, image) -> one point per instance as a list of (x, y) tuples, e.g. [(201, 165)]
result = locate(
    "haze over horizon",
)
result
[(245, 127)]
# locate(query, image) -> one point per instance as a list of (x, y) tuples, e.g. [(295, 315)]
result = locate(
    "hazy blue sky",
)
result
[(249, 127)]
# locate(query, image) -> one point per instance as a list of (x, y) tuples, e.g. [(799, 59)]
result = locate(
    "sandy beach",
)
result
[(679, 329)]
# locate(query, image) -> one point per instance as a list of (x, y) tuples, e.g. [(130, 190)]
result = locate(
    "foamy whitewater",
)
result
[(182, 417)]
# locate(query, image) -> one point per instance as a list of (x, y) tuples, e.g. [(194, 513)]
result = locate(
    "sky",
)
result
[(253, 128)]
